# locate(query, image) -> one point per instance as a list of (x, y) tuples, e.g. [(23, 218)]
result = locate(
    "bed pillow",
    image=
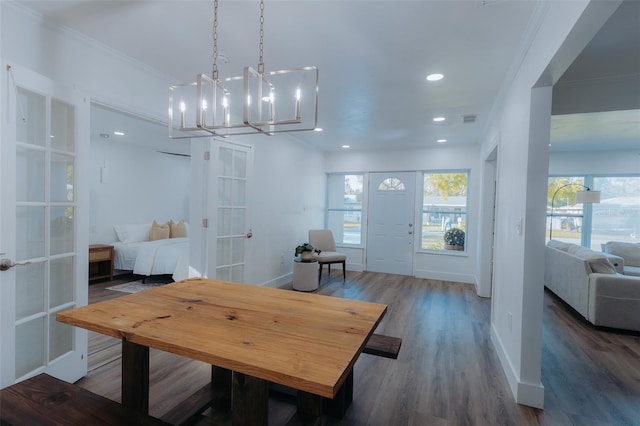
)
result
[(132, 233), (177, 230), (159, 232)]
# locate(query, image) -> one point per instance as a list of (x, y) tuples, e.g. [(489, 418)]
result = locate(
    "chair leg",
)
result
[(344, 271), (320, 273)]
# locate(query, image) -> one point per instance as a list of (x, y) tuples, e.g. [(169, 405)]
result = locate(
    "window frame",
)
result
[(590, 181), (359, 211), (425, 211)]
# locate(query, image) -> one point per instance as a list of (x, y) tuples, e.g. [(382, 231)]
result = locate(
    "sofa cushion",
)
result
[(556, 244), (598, 262), (632, 271), (630, 252)]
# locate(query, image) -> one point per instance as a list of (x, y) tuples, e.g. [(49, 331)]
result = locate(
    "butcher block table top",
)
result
[(305, 341)]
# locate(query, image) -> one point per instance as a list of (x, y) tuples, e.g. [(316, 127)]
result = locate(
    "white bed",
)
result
[(160, 257), (151, 249)]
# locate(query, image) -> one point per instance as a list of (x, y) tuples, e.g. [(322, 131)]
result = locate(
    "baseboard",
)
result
[(445, 276), (530, 394), (278, 281)]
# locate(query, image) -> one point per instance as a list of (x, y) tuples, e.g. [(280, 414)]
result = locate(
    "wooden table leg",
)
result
[(338, 406), (309, 410), (135, 376), (250, 401), (221, 380)]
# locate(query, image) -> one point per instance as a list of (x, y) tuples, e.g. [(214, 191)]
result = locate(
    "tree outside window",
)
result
[(444, 206)]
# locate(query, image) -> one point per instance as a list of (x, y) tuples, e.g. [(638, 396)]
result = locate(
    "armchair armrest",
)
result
[(614, 301), (616, 261)]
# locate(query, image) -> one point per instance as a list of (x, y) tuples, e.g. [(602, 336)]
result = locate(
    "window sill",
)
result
[(456, 253)]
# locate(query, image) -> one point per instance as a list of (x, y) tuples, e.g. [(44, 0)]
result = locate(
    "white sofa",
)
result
[(629, 254), (588, 281)]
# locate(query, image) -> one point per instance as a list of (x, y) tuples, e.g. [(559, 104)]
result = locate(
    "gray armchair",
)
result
[(323, 239)]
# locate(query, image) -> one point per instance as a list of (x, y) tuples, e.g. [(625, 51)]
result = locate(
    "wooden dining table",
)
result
[(260, 335)]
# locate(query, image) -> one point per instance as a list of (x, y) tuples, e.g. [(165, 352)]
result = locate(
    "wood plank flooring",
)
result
[(447, 372)]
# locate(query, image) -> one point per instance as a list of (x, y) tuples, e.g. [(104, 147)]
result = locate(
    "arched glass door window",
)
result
[(391, 184)]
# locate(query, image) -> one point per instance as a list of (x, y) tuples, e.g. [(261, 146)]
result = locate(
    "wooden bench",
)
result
[(45, 400), (385, 346)]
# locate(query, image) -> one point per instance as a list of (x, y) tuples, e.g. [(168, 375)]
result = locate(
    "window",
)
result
[(444, 207), (615, 218), (391, 184), (344, 212), (564, 216)]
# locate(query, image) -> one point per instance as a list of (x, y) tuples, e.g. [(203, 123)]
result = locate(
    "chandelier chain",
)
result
[(261, 46), (214, 71)]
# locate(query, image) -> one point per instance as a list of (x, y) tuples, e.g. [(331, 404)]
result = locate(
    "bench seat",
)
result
[(45, 400)]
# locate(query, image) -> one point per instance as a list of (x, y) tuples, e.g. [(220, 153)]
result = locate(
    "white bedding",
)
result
[(167, 256)]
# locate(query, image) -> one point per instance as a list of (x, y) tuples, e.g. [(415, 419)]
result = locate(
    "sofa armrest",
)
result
[(614, 301), (616, 261)]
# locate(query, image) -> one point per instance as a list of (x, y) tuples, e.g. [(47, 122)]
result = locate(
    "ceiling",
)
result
[(373, 58)]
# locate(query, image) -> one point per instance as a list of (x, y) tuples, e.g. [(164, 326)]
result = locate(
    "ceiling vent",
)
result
[(468, 119)]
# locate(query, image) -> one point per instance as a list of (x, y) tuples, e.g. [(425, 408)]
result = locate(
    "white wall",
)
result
[(288, 198), (73, 60), (143, 186), (442, 266), (520, 123)]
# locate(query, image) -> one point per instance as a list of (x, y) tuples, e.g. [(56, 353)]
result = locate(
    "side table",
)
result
[(100, 261), (305, 275)]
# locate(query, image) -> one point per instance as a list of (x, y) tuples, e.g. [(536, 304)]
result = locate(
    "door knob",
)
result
[(6, 264)]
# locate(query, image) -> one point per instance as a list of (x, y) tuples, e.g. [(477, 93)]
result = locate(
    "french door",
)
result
[(232, 165), (391, 215), (43, 226)]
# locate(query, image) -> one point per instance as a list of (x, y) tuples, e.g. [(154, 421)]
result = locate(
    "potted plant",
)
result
[(454, 239), (305, 251)]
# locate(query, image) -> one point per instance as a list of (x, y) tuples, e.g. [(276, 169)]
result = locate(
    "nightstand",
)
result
[(100, 262)]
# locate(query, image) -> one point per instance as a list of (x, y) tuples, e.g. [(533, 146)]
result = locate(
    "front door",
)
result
[(43, 226), (391, 216)]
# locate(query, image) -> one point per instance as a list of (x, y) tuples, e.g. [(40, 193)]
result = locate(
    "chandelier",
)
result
[(256, 102)]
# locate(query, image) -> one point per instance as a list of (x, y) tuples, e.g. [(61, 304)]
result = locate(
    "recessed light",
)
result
[(438, 119), (118, 133), (441, 140), (317, 129), (435, 77), (346, 146)]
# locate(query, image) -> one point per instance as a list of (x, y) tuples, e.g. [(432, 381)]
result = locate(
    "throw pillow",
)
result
[(159, 232), (177, 230), (630, 252)]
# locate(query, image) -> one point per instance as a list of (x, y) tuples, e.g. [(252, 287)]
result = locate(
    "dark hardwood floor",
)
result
[(447, 373)]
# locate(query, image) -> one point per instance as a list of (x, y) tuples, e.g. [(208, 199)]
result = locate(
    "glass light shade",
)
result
[(587, 197)]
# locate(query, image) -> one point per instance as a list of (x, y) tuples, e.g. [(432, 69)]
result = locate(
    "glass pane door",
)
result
[(231, 213), (40, 231)]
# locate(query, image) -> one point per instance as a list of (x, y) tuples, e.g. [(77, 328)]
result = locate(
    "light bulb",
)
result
[(297, 104)]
